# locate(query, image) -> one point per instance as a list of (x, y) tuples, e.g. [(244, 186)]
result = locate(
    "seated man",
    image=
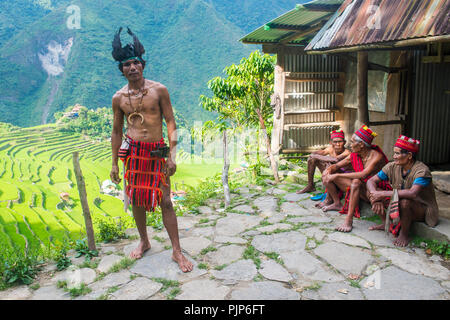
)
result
[(412, 179), (321, 159), (366, 160)]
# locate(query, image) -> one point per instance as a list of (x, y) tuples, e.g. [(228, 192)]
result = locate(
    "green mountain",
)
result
[(45, 66)]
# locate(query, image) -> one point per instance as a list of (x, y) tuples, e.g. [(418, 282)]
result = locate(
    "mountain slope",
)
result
[(46, 67)]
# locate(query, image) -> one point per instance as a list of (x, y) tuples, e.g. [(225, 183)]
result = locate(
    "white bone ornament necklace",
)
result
[(136, 113)]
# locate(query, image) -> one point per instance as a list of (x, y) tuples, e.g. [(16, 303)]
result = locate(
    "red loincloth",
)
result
[(358, 166), (144, 174)]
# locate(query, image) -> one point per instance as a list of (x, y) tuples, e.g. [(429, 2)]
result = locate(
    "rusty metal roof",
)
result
[(304, 20), (368, 22)]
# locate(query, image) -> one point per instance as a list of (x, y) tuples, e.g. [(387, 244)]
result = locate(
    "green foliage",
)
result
[(94, 123), (441, 248), (78, 291), (122, 264), (19, 266), (111, 229), (62, 261), (252, 254), (82, 248), (196, 196), (154, 219)]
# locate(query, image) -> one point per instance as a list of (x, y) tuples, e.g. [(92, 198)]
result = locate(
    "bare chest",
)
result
[(147, 105)]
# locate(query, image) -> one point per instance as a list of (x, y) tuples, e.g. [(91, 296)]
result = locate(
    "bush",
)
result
[(111, 229), (19, 266)]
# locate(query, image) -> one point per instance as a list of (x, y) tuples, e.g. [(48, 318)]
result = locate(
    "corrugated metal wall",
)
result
[(309, 108), (430, 114)]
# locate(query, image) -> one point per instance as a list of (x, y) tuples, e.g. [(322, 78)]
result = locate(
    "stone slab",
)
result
[(264, 290), (440, 232), (314, 232), (308, 267), (225, 254), (414, 264), (441, 180), (242, 270), (334, 291), (277, 226), (203, 290), (108, 262), (235, 223), (227, 239), (245, 208), (280, 242), (205, 210), (194, 245), (293, 209), (296, 197), (272, 270), (311, 219), (138, 289), (349, 239), (18, 293), (267, 205), (50, 292), (346, 259), (395, 284), (161, 265)]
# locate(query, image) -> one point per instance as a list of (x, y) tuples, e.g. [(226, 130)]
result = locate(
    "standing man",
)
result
[(323, 158), (144, 103), (413, 180)]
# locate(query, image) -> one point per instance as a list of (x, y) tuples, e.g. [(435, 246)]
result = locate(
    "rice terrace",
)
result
[(39, 199)]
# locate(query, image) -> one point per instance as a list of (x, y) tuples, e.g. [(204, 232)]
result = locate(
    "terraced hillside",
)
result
[(36, 167)]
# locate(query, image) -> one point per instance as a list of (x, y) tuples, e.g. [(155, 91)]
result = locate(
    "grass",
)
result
[(252, 254), (122, 264), (36, 166)]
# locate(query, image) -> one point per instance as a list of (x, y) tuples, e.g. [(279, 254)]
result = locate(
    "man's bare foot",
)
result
[(308, 188), (184, 264), (401, 241), (332, 207), (139, 251), (323, 203), (377, 227), (347, 226)]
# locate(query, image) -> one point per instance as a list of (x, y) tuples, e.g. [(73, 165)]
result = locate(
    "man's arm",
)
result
[(368, 169), (167, 110), (323, 155), (116, 137)]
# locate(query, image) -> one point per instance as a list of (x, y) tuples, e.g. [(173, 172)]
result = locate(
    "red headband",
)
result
[(366, 134), (337, 134), (407, 144)]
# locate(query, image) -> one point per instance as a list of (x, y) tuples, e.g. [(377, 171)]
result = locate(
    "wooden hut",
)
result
[(384, 63)]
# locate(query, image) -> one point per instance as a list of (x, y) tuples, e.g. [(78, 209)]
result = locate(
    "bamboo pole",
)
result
[(84, 202)]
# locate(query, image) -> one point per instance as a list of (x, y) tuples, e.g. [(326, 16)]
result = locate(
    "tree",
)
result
[(251, 83), (225, 102)]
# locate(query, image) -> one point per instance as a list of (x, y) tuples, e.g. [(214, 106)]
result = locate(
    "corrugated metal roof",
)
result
[(366, 22), (301, 19)]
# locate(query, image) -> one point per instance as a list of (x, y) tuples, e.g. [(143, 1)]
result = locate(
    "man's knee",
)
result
[(356, 184), (166, 204), (404, 204), (312, 161)]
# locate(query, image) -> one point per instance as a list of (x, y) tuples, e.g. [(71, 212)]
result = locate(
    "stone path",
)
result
[(270, 244)]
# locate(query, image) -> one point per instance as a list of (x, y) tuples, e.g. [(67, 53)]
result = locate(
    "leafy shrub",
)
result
[(82, 248), (62, 261), (111, 229), (19, 266)]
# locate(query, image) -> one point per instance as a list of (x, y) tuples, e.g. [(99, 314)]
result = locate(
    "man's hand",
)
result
[(114, 175), (378, 208), (329, 178), (170, 168), (376, 196)]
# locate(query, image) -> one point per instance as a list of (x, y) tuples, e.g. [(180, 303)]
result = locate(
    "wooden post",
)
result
[(84, 202), (361, 89), (226, 167)]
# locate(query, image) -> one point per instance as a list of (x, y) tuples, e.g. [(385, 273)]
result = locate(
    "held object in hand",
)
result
[(161, 152)]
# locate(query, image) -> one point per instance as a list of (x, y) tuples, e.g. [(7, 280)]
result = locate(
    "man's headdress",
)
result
[(133, 50), (366, 134), (408, 144), (337, 134)]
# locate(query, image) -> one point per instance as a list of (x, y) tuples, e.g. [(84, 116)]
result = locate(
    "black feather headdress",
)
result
[(135, 49)]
